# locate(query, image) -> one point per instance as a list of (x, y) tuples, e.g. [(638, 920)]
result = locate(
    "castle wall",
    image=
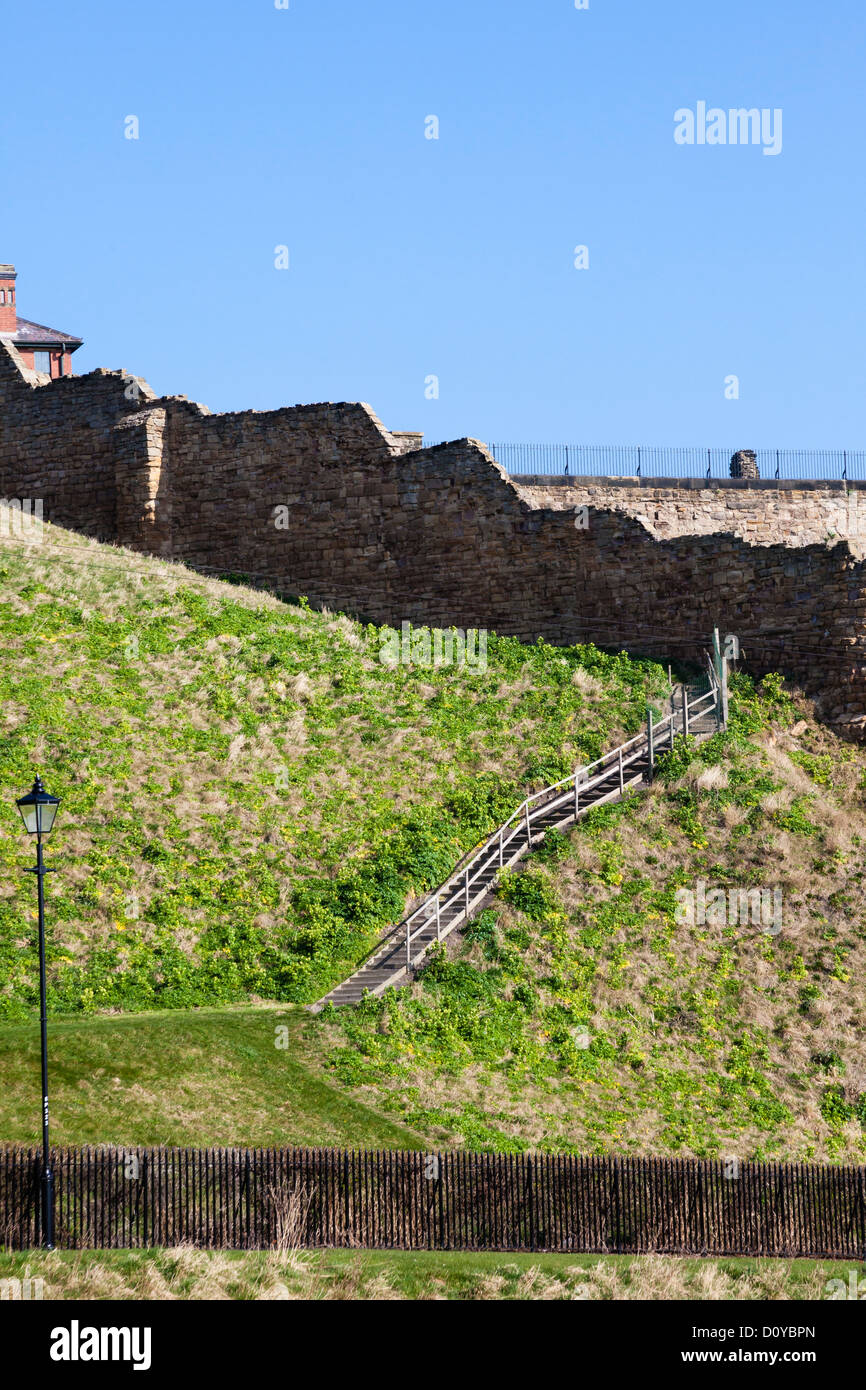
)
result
[(57, 442), (794, 512), (321, 500)]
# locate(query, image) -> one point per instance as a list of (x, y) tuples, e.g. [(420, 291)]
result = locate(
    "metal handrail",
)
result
[(580, 776), (460, 880)]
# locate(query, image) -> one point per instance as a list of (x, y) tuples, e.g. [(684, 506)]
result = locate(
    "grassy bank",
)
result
[(587, 1011), (250, 791), (210, 1076), (579, 1014)]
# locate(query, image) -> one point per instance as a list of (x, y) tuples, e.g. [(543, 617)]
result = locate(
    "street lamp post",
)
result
[(38, 810)]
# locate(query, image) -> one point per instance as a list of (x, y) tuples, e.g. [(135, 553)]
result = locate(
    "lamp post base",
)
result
[(47, 1209)]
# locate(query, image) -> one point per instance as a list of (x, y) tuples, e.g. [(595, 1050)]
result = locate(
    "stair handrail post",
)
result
[(438, 924), (621, 774), (501, 861), (721, 663), (576, 793), (528, 825), (467, 892), (649, 725), (685, 711), (714, 686)]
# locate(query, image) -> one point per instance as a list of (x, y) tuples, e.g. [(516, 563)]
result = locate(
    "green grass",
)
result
[(202, 1077), (347, 1274), (249, 793), (577, 1015), (580, 1014)]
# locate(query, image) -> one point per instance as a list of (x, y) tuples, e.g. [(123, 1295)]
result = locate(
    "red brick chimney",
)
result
[(8, 311)]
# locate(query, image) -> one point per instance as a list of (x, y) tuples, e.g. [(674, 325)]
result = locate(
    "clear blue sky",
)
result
[(411, 257)]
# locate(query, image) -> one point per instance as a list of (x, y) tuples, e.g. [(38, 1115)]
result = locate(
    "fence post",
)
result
[(440, 1184), (701, 1212), (145, 1179), (467, 892), (530, 1197), (346, 1230), (576, 793), (438, 928), (408, 950), (528, 826), (685, 712), (621, 777), (500, 847), (649, 721), (722, 676)]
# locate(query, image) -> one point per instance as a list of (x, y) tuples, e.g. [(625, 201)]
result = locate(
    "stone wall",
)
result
[(791, 511), (57, 441), (322, 500)]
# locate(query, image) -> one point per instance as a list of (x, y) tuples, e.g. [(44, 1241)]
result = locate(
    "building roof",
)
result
[(29, 334)]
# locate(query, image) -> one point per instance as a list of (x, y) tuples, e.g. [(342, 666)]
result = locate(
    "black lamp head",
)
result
[(38, 809)]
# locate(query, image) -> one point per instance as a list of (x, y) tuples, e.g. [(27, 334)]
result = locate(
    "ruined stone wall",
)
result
[(321, 500), (57, 441), (284, 492), (444, 537), (791, 511)]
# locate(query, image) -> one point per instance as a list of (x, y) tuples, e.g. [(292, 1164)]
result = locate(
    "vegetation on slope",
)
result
[(249, 794), (582, 1014)]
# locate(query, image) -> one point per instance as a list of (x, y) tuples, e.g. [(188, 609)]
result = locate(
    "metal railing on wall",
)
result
[(637, 460)]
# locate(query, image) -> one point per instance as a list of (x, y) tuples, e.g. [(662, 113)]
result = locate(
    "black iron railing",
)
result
[(651, 461), (259, 1199)]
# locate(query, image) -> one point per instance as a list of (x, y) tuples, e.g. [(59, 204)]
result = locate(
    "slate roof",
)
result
[(29, 334)]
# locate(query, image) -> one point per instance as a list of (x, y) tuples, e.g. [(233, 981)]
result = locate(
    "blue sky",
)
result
[(454, 257)]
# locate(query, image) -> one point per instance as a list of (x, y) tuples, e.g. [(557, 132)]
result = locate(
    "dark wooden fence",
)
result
[(262, 1198)]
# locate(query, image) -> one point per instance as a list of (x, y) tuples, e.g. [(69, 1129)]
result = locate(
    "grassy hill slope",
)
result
[(250, 795), (249, 792), (585, 1012)]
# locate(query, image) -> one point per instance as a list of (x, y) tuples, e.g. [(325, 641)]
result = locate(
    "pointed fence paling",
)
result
[(258, 1199)]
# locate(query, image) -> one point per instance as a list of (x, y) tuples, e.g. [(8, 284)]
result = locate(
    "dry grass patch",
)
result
[(184, 1273)]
